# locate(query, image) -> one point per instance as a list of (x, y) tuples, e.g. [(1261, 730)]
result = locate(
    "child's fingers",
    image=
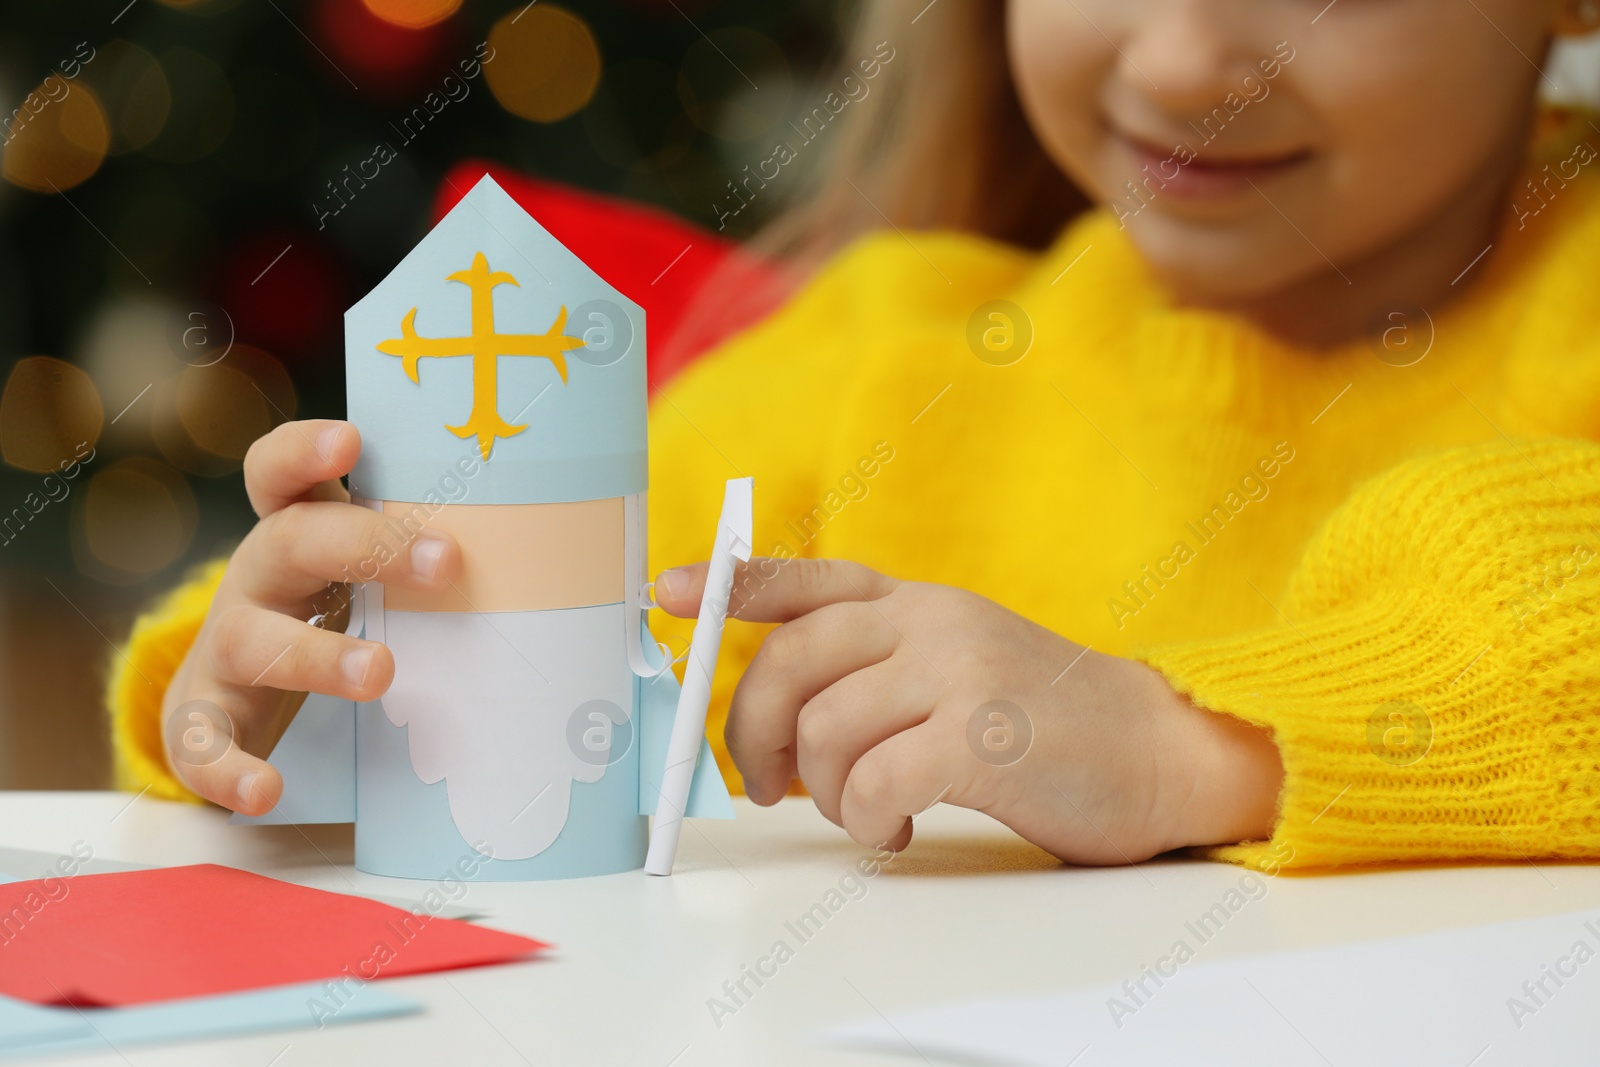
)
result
[(901, 777), (235, 779), (852, 716), (796, 662), (252, 645), (774, 590), (297, 551), (300, 461)]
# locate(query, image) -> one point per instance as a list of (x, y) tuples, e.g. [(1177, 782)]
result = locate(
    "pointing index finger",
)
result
[(768, 589)]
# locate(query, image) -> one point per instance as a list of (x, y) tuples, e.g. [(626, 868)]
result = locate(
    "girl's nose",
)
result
[(1185, 54)]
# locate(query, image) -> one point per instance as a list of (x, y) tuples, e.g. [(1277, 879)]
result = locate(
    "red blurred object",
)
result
[(283, 292), (658, 261), (376, 54)]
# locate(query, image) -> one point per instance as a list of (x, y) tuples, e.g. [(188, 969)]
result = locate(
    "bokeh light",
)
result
[(364, 53), (127, 349), (413, 14), (62, 143), (136, 517), (134, 91), (546, 63), (225, 407), (172, 440), (48, 409), (283, 290), (719, 79)]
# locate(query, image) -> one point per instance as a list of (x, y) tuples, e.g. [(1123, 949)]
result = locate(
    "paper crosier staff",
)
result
[(499, 387)]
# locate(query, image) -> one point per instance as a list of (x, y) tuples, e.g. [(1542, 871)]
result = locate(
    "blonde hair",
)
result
[(941, 144), (945, 144)]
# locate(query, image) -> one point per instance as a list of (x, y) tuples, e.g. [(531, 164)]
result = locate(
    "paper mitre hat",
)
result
[(492, 349)]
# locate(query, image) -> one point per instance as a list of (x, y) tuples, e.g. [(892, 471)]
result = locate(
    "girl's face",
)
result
[(1250, 146)]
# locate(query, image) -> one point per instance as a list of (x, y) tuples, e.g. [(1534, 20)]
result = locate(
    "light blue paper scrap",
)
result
[(310, 1005), (23, 1024)]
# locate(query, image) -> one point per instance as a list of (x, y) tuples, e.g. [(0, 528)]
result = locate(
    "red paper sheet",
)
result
[(138, 936)]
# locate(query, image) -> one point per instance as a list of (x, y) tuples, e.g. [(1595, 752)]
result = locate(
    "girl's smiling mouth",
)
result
[(1205, 175)]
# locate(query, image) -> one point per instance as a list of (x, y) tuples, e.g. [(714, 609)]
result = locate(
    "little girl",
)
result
[(1255, 508)]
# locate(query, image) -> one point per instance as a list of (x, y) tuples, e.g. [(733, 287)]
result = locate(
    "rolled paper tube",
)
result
[(689, 725)]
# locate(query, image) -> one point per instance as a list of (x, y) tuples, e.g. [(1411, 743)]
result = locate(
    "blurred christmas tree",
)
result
[(169, 191)]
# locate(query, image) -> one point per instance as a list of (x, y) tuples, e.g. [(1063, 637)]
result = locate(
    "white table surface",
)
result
[(968, 910)]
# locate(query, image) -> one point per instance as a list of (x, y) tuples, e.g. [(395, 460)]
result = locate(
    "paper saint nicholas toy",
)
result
[(499, 387)]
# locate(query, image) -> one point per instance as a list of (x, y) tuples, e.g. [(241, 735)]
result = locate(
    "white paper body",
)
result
[(487, 700)]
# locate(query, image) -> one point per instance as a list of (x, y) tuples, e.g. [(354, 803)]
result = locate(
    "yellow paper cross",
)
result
[(485, 347)]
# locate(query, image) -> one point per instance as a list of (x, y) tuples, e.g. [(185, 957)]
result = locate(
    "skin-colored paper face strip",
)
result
[(519, 557), (135, 937)]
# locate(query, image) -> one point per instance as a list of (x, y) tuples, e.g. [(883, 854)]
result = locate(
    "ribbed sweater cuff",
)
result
[(139, 678), (1403, 737)]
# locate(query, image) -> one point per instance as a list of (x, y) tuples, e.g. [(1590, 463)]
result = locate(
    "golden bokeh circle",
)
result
[(224, 407), (60, 144), (49, 409), (138, 516), (413, 14), (546, 63)]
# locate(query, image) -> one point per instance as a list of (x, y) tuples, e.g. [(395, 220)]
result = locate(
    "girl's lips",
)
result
[(1204, 177)]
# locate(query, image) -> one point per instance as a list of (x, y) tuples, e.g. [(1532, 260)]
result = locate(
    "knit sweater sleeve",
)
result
[(1433, 683), (140, 675)]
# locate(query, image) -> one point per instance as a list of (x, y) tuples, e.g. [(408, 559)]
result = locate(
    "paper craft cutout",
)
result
[(1437, 998), (658, 704), (689, 722), (509, 773), (485, 347), (512, 733), (317, 758), (29, 1030), (584, 440), (141, 936)]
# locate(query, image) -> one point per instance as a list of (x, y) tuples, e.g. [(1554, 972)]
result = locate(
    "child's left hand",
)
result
[(885, 697)]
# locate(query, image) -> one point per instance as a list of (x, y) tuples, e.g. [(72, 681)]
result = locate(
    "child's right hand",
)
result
[(256, 657)]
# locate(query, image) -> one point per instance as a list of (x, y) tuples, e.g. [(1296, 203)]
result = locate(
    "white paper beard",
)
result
[(487, 700)]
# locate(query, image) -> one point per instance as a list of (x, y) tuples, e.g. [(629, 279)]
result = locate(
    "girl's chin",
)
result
[(1214, 265)]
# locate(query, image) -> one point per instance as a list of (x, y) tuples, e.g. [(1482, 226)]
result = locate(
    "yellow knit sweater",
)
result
[(1393, 568)]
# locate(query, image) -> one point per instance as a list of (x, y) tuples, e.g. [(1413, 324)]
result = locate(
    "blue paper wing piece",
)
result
[(658, 704), (317, 758)]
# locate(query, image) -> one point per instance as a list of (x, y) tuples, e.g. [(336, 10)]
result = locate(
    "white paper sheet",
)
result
[(1450, 998)]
